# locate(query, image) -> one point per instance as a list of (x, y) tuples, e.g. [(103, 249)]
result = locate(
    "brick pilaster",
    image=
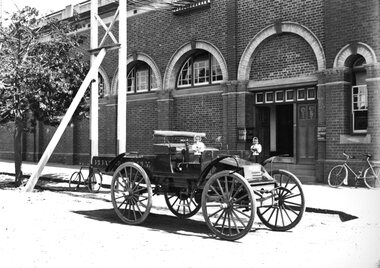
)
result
[(165, 103)]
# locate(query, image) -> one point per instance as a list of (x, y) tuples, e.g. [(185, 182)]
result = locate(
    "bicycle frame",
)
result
[(360, 174)]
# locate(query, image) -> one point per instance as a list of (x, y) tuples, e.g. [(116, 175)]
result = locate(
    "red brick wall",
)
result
[(351, 21), (254, 16), (283, 56)]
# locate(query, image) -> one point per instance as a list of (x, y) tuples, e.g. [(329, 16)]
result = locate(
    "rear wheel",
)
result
[(182, 205), (228, 205), (288, 203), (372, 177), (131, 193), (337, 175), (75, 180), (95, 181)]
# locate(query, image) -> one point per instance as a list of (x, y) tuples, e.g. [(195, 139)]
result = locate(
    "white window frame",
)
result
[(142, 80), (266, 97), (198, 67), (359, 104), (279, 100), (187, 71), (286, 95), (257, 99), (131, 77), (216, 71)]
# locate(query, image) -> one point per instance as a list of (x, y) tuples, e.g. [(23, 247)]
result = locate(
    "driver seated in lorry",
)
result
[(198, 147)]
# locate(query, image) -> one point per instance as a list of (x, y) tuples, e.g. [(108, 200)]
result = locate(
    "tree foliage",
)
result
[(41, 69), (42, 66)]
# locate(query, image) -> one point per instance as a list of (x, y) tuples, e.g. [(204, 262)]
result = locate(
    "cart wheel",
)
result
[(228, 205), (95, 181), (75, 180), (372, 177), (131, 193), (182, 205), (288, 203)]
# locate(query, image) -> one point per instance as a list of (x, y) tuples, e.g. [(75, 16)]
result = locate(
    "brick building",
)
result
[(301, 75)]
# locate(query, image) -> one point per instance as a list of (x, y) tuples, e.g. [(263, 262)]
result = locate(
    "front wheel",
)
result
[(228, 205), (372, 177), (287, 204), (95, 181), (337, 175), (75, 180), (131, 193)]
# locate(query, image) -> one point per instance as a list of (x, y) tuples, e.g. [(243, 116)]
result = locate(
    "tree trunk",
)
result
[(17, 138)]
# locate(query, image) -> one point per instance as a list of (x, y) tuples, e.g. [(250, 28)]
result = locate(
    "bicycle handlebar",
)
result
[(367, 155)]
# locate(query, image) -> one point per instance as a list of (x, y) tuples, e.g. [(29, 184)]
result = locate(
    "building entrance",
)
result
[(286, 123), (284, 130), (275, 129)]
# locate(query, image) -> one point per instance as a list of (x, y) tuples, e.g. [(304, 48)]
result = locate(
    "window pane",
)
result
[(360, 120), (359, 98), (100, 85), (201, 72), (185, 74), (216, 70), (142, 80), (153, 82), (131, 81)]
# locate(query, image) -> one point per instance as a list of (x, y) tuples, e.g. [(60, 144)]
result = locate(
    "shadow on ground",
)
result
[(155, 222)]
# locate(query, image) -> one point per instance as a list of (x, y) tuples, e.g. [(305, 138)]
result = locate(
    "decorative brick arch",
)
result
[(283, 27), (139, 57), (353, 49), (180, 56)]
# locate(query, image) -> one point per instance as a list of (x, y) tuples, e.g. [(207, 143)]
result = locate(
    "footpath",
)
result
[(347, 202)]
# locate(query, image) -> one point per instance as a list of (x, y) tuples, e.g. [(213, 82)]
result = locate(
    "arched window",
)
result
[(141, 78), (101, 85), (359, 94), (201, 68)]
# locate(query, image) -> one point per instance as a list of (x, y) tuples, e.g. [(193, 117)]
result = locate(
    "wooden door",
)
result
[(306, 133)]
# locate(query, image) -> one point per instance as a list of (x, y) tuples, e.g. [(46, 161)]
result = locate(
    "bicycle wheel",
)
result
[(337, 175), (95, 181), (75, 180), (372, 177)]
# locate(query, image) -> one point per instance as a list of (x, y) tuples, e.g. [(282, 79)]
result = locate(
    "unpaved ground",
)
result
[(65, 229)]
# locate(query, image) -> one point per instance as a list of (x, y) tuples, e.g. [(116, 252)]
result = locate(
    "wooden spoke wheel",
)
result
[(288, 203), (131, 193), (182, 205), (228, 205)]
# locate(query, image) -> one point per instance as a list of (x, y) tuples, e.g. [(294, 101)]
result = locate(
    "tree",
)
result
[(41, 69)]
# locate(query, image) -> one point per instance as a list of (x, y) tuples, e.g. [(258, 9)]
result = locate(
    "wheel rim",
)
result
[(228, 205), (74, 181), (96, 181), (336, 176), (131, 193), (288, 204), (372, 177), (182, 205)]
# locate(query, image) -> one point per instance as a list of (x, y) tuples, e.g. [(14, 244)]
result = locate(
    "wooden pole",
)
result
[(94, 102), (92, 74), (122, 90)]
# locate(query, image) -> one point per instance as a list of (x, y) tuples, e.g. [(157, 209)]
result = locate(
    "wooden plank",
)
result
[(92, 74), (172, 133)]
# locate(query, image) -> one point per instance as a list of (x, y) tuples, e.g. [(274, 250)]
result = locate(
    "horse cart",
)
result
[(229, 190)]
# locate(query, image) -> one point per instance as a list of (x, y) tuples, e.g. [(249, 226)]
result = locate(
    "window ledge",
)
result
[(355, 139)]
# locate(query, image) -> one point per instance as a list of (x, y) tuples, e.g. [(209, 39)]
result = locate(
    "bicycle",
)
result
[(93, 181), (369, 173)]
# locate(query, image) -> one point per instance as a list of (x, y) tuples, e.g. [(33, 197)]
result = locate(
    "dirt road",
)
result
[(66, 229)]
